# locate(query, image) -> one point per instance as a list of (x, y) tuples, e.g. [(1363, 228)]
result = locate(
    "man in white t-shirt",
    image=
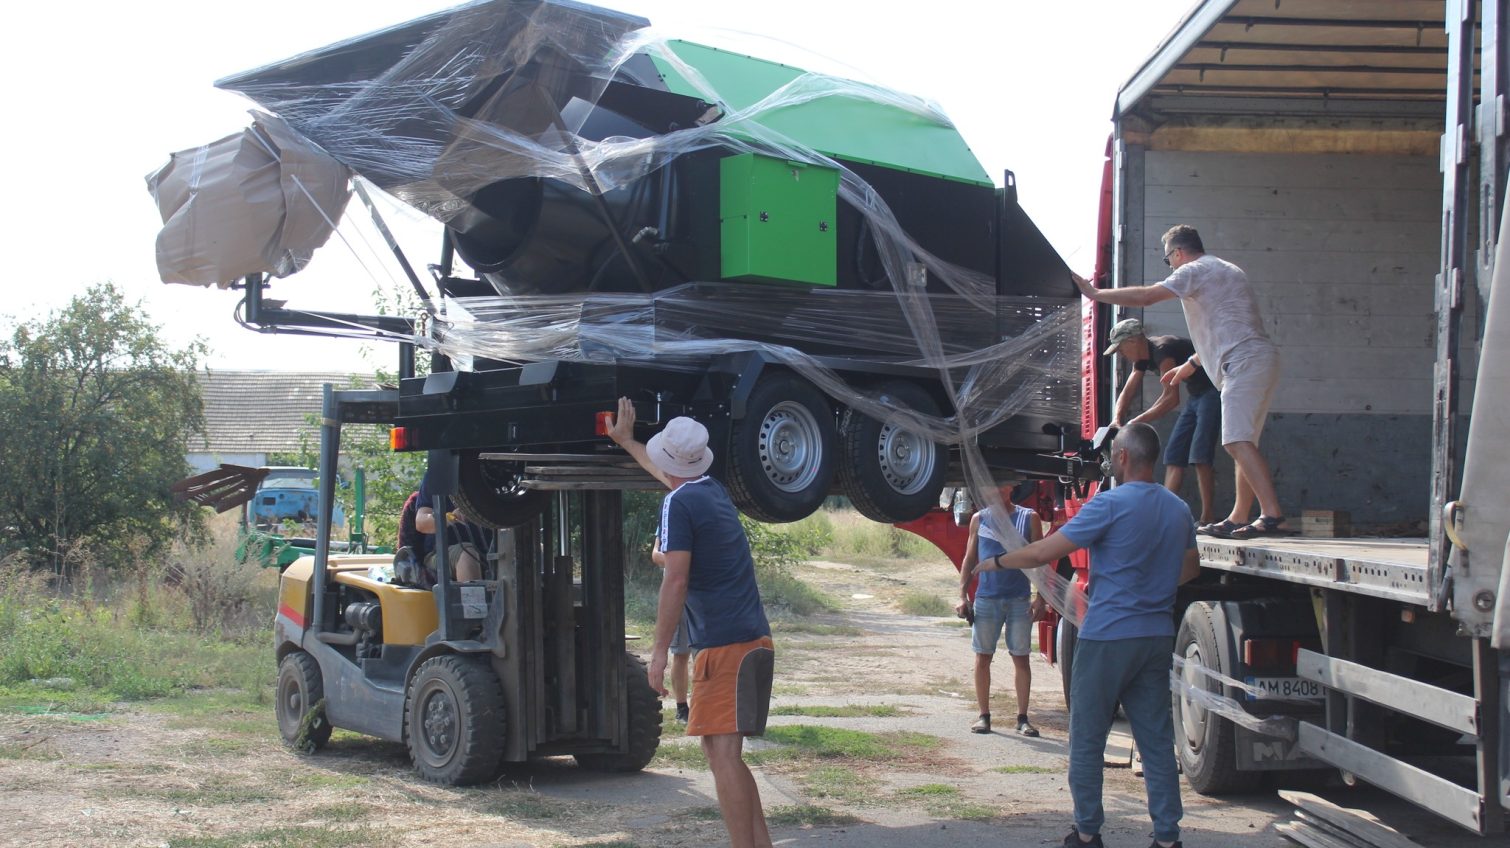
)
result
[(1236, 353)]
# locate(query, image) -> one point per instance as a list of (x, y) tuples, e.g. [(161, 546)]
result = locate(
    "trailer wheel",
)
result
[(889, 473), (490, 492), (781, 453), (1204, 740), (454, 721), (300, 705), (644, 707), (1065, 636)]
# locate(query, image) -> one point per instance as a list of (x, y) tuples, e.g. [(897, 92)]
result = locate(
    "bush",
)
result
[(219, 584)]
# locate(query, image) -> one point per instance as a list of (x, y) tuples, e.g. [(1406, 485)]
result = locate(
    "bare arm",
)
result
[(1168, 401), (1191, 566), (1130, 390), (622, 433), (1134, 296), (424, 520), (1045, 550), (972, 557), (668, 615)]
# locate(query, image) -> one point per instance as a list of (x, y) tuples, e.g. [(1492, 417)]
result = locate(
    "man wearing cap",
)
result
[(710, 574), (1233, 347), (1193, 439)]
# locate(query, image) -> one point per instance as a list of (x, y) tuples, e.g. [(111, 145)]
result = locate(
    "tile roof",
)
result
[(263, 411)]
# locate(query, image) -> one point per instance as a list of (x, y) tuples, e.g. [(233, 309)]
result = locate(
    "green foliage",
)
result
[(845, 711), (847, 536), (98, 414), (841, 783), (925, 603), (806, 741), (807, 814), (390, 477), (945, 801)]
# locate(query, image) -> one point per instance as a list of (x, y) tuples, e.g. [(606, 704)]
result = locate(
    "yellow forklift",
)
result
[(528, 661)]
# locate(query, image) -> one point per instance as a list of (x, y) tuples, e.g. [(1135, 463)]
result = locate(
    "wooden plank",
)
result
[(1280, 170), (1309, 836), (1119, 745), (1416, 204), (1359, 823), (1337, 833)]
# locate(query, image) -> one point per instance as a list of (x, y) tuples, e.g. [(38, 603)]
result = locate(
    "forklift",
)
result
[(528, 661)]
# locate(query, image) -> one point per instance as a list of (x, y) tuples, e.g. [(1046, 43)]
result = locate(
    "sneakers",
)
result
[(1073, 840), (982, 724), (682, 711), (1026, 728), (1155, 844)]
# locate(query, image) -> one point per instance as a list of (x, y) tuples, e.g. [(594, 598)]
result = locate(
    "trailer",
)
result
[(1352, 159)]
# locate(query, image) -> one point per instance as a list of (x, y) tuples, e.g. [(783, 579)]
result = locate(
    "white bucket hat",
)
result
[(681, 449)]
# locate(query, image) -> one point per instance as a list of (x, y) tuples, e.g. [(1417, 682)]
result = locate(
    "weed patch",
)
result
[(344, 812), (804, 741), (525, 804), (845, 711), (38, 750), (840, 783), (925, 603), (1027, 770), (807, 814), (685, 755), (286, 837), (944, 801)]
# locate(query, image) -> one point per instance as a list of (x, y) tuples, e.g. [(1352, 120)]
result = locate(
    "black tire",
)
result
[(1203, 740), (490, 493), (300, 703), (1066, 636), (891, 474), (454, 720), (781, 453), (644, 724)]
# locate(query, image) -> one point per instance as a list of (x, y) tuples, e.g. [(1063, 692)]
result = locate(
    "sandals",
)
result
[(1263, 527), (1220, 529)]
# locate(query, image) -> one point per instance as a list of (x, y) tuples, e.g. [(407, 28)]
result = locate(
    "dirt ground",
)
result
[(203, 772)]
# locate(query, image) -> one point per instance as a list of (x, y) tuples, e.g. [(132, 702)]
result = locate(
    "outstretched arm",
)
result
[(1046, 550), (1134, 296), (621, 430)]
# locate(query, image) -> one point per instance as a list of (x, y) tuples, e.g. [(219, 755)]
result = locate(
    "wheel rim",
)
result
[(440, 723), (292, 701), (906, 459), (1192, 714), (790, 447)]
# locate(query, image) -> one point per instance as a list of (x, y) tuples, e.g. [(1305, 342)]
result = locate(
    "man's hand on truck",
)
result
[(621, 430)]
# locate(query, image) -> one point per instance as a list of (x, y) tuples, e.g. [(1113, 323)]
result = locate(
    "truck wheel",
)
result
[(300, 703), (644, 708), (1204, 740), (889, 473), (453, 721), (781, 453), (490, 492), (1065, 635)]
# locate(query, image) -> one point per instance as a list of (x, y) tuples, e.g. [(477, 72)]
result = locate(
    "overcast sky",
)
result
[(99, 93)]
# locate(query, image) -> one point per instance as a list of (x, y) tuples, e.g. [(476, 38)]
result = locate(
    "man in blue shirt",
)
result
[(1142, 547), (710, 574)]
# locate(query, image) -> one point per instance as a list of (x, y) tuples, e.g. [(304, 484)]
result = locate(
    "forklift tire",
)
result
[(300, 704), (781, 453), (1203, 740), (891, 474), (644, 724), (454, 720), (490, 493)]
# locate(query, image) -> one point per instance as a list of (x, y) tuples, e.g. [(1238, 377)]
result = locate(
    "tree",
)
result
[(97, 412)]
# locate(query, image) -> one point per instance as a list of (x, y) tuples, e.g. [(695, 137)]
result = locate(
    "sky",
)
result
[(99, 93)]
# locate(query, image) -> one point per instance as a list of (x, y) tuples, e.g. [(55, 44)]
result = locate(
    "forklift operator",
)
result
[(468, 543)]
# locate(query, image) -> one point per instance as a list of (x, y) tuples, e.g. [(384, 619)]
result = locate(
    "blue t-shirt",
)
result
[(1007, 582), (723, 601), (1137, 534)]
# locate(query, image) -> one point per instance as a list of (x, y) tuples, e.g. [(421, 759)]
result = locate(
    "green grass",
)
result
[(683, 755), (840, 783), (807, 814), (804, 741), (349, 811), (846, 711), (31, 751), (286, 837), (313, 779), (944, 801), (706, 813), (846, 536), (925, 603), (1027, 770)]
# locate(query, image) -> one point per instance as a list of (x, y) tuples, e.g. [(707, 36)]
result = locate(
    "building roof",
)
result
[(263, 411)]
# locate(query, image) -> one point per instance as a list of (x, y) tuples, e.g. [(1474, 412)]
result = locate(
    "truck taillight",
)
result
[(602, 423), (1270, 653), (398, 438)]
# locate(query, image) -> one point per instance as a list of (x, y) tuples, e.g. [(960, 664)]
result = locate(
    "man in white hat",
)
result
[(710, 574), (1193, 440)]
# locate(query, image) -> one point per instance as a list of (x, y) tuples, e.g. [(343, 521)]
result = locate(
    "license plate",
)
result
[(1282, 688)]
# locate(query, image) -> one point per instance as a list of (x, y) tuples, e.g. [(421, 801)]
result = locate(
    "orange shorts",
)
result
[(731, 688)]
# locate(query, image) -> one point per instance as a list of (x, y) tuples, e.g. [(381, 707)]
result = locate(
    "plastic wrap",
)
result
[(524, 127), (1283, 727), (259, 201)]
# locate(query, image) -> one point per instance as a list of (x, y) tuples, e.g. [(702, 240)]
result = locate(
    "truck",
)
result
[(1352, 159)]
